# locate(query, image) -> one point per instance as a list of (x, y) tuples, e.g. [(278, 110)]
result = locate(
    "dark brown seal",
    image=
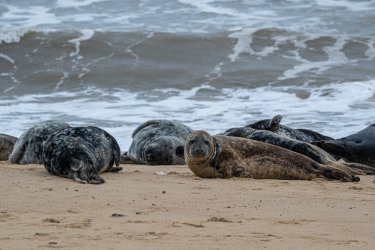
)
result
[(225, 157)]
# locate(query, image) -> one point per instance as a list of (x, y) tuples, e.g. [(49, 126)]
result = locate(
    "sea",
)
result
[(210, 64)]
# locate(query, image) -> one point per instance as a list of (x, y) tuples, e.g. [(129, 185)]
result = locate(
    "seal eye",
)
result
[(192, 141), (206, 142)]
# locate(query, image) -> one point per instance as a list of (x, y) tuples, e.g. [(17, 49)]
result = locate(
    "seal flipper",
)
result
[(125, 159), (84, 174), (363, 169), (145, 124), (18, 151), (274, 124)]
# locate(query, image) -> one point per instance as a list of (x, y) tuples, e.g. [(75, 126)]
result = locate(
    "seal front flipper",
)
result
[(125, 159), (145, 124)]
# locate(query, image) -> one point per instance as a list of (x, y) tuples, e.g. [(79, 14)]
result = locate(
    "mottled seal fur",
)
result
[(225, 157), (158, 142), (307, 149), (28, 149), (81, 153), (6, 146), (274, 125), (359, 147)]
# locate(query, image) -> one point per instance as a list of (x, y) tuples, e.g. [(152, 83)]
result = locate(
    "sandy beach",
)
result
[(167, 207)]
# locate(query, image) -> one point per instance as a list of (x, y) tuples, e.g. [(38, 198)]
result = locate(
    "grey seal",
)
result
[(6, 146), (274, 125), (359, 147), (81, 153), (29, 149), (315, 153), (158, 142), (225, 157)]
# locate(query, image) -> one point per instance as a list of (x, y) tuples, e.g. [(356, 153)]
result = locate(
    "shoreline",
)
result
[(138, 209)]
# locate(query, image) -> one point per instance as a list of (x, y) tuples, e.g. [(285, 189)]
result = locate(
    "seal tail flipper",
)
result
[(335, 173), (145, 124), (83, 173), (274, 124), (361, 168)]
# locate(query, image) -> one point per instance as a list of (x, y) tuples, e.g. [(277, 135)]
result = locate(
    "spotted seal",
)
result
[(274, 125), (225, 157), (359, 147), (158, 142), (315, 153), (6, 146), (28, 149), (81, 153)]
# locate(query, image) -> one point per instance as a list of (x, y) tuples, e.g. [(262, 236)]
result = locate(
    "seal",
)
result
[(6, 146), (28, 148), (358, 147), (225, 157), (315, 153), (274, 125), (158, 142), (81, 153)]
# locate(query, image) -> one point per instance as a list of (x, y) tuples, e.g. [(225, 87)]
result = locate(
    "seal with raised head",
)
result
[(225, 157), (81, 153), (315, 153), (274, 125), (29, 149), (359, 147), (6, 146), (158, 142)]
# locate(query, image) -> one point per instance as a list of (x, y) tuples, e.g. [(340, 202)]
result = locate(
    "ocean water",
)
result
[(209, 64)]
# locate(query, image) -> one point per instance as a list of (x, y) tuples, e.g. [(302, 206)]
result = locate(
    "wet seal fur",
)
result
[(274, 125), (225, 157), (315, 153), (29, 147), (158, 142), (6, 146), (359, 147), (81, 153)]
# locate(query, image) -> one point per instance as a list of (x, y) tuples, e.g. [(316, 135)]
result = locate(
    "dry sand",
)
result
[(138, 209)]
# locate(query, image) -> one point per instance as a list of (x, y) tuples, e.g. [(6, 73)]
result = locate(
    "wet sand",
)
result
[(139, 209)]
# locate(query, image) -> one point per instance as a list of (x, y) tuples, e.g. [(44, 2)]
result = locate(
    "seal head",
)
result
[(201, 151)]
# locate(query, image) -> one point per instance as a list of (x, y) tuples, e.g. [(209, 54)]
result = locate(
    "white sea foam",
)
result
[(336, 110), (7, 58), (350, 5), (27, 17), (13, 36), (86, 35), (76, 3)]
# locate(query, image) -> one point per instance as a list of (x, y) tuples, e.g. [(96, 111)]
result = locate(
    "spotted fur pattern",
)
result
[(29, 147), (81, 153), (158, 142)]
